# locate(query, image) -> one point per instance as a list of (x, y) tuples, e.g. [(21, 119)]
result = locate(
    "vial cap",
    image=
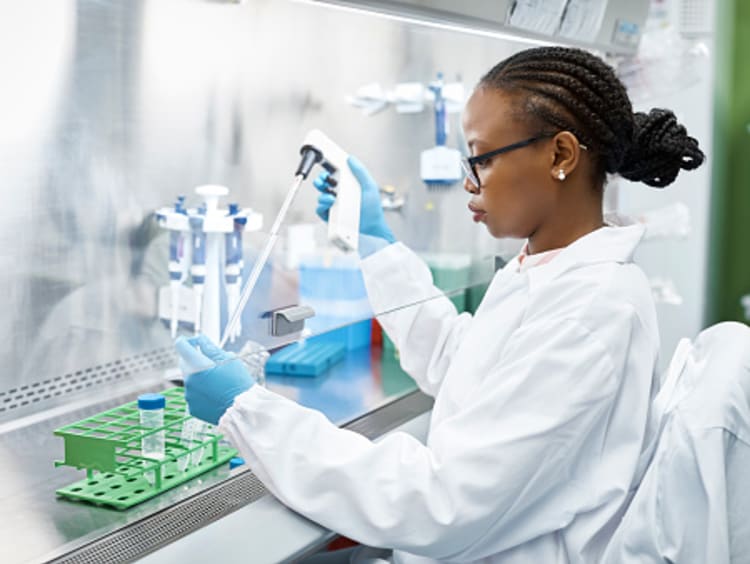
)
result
[(151, 401), (235, 462)]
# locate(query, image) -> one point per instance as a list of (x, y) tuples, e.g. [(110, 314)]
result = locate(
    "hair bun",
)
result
[(660, 148)]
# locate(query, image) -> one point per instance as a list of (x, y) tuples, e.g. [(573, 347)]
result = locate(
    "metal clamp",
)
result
[(290, 319), (389, 200)]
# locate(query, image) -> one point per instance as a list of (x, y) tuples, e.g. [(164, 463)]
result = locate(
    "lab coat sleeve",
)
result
[(420, 320), (498, 473)]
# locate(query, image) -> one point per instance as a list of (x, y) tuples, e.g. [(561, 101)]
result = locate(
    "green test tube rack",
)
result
[(108, 446)]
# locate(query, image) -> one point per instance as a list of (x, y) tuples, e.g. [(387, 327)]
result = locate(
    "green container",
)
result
[(108, 446), (393, 379), (451, 273), (475, 295)]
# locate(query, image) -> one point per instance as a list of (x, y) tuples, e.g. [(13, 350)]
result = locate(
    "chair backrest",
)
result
[(693, 501)]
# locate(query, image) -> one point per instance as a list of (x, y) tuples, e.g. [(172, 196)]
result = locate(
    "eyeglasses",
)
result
[(468, 163)]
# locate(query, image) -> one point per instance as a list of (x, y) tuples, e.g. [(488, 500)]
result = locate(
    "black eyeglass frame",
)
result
[(468, 163)]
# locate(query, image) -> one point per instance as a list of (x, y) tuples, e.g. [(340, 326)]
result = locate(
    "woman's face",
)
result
[(517, 193)]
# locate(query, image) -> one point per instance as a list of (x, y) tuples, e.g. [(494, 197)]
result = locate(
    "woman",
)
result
[(542, 397)]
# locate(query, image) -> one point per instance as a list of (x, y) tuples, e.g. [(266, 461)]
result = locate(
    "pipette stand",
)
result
[(216, 223)]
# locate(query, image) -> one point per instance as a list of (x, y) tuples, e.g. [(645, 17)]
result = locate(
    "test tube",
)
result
[(193, 431), (187, 436), (151, 411), (196, 457)]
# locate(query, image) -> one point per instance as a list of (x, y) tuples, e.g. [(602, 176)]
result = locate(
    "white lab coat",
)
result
[(693, 504), (539, 422)]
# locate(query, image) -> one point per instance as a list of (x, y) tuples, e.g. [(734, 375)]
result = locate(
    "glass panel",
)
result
[(99, 135), (305, 275), (344, 373)]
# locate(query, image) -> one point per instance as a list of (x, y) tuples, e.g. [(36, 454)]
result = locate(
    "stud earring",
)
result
[(561, 175)]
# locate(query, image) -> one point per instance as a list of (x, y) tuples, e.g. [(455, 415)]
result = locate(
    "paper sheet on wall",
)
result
[(541, 16), (583, 19)]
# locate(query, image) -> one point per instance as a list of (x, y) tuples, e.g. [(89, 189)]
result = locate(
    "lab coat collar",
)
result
[(606, 244)]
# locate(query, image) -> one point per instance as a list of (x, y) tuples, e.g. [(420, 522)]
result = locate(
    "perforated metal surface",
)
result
[(380, 421), (138, 539), (142, 537), (73, 382)]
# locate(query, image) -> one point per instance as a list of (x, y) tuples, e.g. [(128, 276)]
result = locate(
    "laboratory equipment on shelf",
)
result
[(151, 416), (205, 244), (343, 222), (440, 166), (407, 97)]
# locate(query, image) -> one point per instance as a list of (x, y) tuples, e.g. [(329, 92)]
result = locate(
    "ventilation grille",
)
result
[(143, 537), (73, 382)]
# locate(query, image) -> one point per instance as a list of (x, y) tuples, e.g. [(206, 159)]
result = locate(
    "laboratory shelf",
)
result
[(108, 446)]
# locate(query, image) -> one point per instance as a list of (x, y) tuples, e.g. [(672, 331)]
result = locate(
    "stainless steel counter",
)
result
[(285, 535), (37, 526)]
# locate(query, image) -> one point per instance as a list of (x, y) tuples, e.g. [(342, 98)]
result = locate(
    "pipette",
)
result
[(310, 156), (198, 268), (343, 218), (175, 277), (233, 266)]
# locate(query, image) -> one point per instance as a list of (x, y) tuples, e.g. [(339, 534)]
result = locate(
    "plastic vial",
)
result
[(151, 410), (255, 356), (200, 429), (187, 436), (193, 432)]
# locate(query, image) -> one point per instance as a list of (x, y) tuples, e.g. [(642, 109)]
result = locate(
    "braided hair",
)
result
[(570, 89)]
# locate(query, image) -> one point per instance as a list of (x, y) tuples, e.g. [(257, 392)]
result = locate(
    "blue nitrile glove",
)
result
[(212, 378), (371, 219)]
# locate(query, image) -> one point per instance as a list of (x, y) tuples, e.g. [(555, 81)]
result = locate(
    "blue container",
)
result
[(333, 286), (331, 278), (352, 336), (305, 359)]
